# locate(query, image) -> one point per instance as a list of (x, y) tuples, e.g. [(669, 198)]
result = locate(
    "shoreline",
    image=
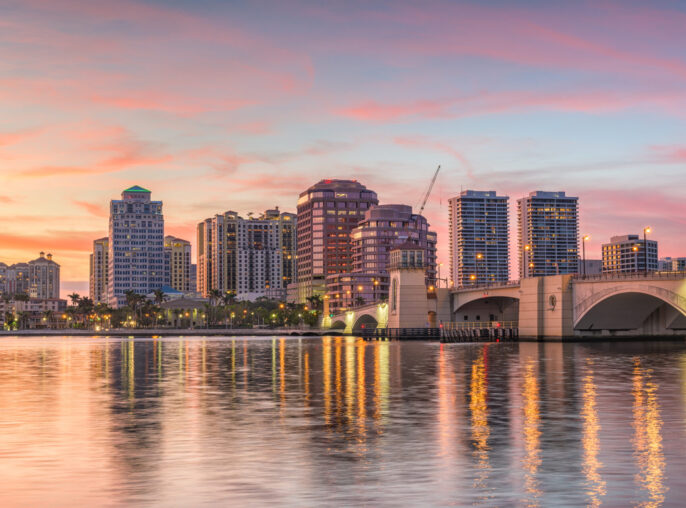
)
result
[(166, 332)]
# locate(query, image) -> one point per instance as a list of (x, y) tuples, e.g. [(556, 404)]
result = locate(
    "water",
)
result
[(338, 421)]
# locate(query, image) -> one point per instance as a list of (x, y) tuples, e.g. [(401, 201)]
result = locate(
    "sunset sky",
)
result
[(219, 105)]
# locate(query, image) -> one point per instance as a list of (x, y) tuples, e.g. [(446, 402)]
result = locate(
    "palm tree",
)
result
[(134, 301), (74, 297), (315, 301), (215, 297), (85, 308), (47, 317), (160, 297), (359, 301)]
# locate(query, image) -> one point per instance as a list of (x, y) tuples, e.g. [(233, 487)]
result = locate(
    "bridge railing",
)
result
[(630, 276), (491, 285), (479, 325)]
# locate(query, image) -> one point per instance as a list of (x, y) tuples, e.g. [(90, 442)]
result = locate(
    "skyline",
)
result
[(587, 100)]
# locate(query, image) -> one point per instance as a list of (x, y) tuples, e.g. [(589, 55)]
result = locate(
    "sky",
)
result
[(219, 105)]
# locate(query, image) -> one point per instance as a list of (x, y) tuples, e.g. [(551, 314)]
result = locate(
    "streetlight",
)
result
[(583, 246), (479, 257), (646, 230), (525, 253)]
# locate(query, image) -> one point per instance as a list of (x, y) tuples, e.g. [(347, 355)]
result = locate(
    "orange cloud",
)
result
[(123, 149), (52, 241), (92, 208)]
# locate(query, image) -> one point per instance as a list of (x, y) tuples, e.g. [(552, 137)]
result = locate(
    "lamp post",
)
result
[(646, 230), (525, 253), (479, 257), (583, 249)]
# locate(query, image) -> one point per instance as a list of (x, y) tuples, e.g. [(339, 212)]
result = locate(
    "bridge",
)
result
[(555, 307), (371, 316)]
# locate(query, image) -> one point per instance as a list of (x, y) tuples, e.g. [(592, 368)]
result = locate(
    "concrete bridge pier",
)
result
[(546, 308)]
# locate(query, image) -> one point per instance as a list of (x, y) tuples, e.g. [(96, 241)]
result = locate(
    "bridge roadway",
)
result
[(554, 307)]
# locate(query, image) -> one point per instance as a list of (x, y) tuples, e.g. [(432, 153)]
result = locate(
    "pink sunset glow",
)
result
[(217, 107)]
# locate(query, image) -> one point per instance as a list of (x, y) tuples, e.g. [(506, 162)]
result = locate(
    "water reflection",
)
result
[(647, 436), (339, 421), (478, 405), (591, 439), (532, 433)]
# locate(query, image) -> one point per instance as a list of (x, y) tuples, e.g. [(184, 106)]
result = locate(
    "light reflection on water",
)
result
[(337, 420)]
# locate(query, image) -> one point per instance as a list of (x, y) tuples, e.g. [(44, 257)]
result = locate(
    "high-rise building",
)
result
[(136, 245), (3, 279), (249, 258), (327, 213), (383, 228), (626, 254), (14, 279), (548, 234), (479, 238), (44, 278), (99, 270), (194, 277), (177, 263)]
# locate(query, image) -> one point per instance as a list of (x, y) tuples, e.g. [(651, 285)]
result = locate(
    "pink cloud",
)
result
[(671, 154), (92, 208), (123, 151), (512, 101), (438, 146), (256, 128), (6, 199)]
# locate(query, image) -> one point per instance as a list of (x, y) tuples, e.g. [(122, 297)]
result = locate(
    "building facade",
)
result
[(479, 238), (670, 264), (99, 270), (548, 234), (250, 258), (136, 245), (627, 254), (32, 313), (14, 279), (593, 267), (44, 278), (177, 264), (327, 213), (383, 228)]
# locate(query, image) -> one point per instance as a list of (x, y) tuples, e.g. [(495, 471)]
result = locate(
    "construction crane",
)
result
[(428, 192)]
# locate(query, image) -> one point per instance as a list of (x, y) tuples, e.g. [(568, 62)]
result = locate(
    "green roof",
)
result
[(137, 188)]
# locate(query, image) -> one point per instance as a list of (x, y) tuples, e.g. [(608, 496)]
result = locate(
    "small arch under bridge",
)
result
[(365, 317)]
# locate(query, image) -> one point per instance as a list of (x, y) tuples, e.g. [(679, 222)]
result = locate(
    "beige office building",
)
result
[(99, 262), (250, 258), (177, 263)]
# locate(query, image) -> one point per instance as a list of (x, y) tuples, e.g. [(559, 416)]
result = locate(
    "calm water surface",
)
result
[(340, 421)]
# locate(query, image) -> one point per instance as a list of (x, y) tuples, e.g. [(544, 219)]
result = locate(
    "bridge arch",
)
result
[(488, 308), (642, 308), (365, 321), (338, 325)]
